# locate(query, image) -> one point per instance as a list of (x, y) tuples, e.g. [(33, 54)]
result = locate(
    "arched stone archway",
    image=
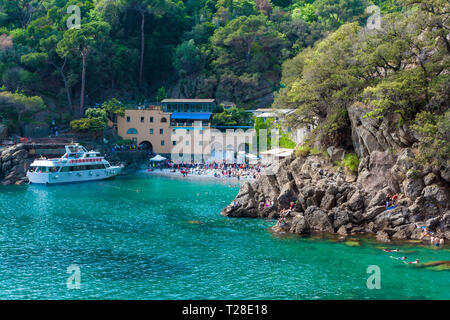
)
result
[(146, 145)]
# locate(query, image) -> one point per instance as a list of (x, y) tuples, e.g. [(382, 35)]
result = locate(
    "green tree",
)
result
[(232, 117), (161, 94), (83, 41), (20, 104), (188, 58)]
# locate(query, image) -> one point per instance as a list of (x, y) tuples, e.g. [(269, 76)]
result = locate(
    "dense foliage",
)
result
[(399, 71), (226, 49)]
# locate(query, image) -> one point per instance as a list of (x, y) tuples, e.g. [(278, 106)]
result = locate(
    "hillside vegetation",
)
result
[(398, 73), (231, 50)]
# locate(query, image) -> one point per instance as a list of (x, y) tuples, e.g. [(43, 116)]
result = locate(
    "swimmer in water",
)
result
[(390, 250), (402, 258), (412, 262)]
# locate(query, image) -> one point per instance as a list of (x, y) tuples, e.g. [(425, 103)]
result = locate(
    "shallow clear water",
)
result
[(137, 237)]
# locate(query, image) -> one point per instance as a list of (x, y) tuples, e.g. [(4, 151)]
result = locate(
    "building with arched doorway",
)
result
[(149, 128)]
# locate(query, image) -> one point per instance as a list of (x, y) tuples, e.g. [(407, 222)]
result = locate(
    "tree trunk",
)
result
[(83, 80), (141, 67), (63, 76), (20, 124)]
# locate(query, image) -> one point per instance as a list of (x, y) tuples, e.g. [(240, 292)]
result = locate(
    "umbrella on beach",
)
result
[(158, 158)]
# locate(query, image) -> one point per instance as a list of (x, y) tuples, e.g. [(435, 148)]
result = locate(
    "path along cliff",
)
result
[(329, 199)]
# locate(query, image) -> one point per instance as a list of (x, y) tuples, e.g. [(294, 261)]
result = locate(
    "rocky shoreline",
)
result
[(327, 199), (14, 162)]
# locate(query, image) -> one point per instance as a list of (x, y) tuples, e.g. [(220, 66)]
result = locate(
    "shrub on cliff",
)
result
[(435, 136), (97, 118), (91, 125), (351, 162)]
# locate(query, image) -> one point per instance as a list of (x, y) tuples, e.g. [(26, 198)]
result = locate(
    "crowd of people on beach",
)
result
[(214, 169), (127, 147)]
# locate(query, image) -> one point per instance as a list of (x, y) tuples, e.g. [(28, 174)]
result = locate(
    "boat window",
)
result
[(86, 167), (65, 169)]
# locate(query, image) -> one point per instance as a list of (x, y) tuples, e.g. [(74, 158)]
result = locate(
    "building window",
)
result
[(151, 131), (187, 142), (128, 119), (151, 119), (132, 131), (162, 142), (142, 119), (200, 143), (161, 131), (174, 143), (163, 120)]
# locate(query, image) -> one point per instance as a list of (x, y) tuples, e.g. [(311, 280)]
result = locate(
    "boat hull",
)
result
[(73, 177)]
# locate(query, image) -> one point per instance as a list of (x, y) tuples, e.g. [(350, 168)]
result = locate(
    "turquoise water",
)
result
[(139, 237)]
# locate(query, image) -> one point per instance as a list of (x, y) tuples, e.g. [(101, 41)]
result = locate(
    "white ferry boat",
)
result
[(76, 165)]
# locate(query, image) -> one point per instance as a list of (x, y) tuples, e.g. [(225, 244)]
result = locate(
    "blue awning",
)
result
[(191, 115)]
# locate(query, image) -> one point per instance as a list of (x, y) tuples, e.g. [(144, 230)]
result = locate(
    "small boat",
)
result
[(76, 165)]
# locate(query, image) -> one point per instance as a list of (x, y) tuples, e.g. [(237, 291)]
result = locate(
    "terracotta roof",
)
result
[(189, 100)]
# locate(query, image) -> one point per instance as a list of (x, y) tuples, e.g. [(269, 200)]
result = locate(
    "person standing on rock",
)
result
[(388, 201), (394, 199)]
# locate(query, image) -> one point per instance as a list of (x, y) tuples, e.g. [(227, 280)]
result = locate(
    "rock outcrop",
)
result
[(330, 200), (14, 162)]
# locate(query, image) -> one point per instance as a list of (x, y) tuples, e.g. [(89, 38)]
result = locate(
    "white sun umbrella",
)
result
[(158, 158)]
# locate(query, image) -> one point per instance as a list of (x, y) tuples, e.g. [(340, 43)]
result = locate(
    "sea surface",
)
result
[(149, 237)]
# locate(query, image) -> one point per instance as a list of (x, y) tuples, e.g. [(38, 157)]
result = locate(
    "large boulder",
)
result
[(318, 219), (356, 201), (436, 195), (288, 194), (328, 201), (299, 225), (340, 218), (414, 185), (378, 175), (383, 236), (371, 213)]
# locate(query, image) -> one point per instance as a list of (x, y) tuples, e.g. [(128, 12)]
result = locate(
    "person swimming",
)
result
[(412, 262), (396, 258), (390, 250)]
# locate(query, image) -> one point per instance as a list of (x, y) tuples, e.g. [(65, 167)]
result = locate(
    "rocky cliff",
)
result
[(14, 162), (329, 199)]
